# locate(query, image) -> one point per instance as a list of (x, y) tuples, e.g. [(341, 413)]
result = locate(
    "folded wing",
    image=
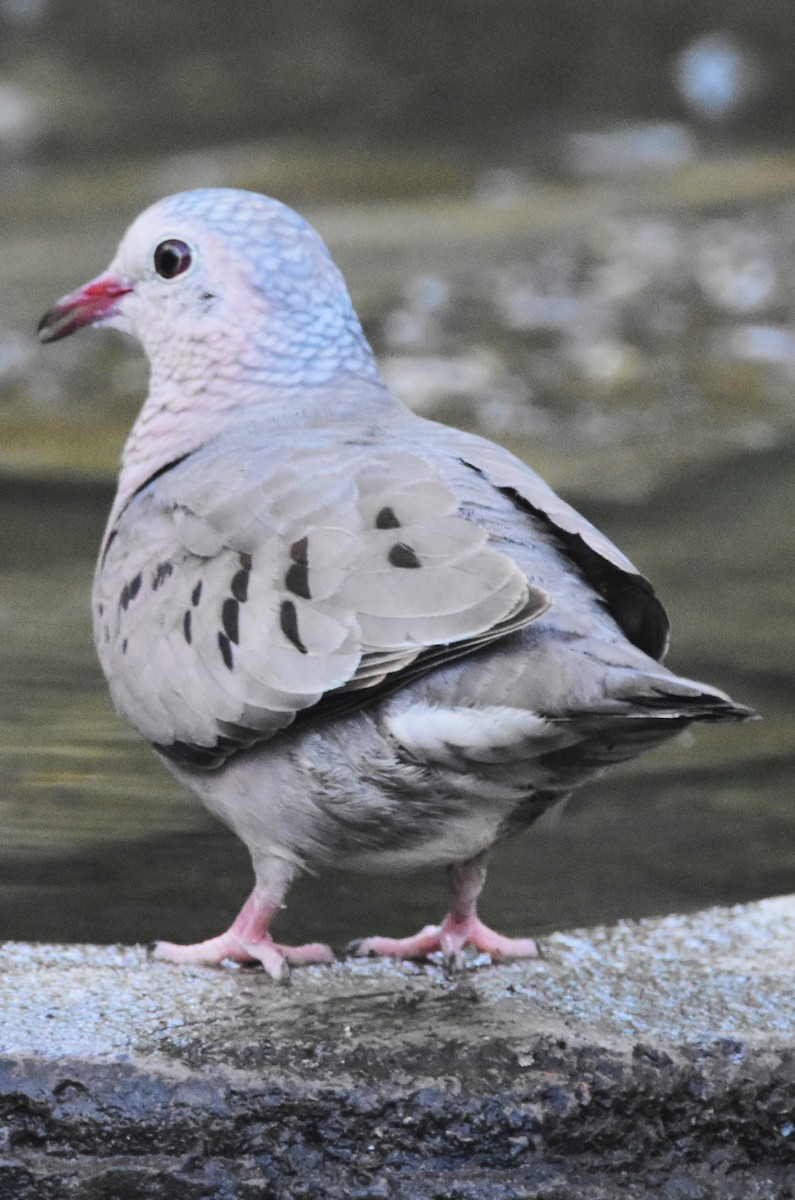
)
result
[(224, 609)]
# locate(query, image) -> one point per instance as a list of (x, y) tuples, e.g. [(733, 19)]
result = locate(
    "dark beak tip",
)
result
[(45, 330), (92, 304), (58, 322)]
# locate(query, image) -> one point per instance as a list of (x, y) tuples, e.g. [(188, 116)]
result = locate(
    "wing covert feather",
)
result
[(627, 594), (222, 612)]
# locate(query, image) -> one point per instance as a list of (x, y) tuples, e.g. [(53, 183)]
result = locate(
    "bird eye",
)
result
[(172, 258)]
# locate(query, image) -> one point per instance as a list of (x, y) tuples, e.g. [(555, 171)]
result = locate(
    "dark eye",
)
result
[(172, 258)]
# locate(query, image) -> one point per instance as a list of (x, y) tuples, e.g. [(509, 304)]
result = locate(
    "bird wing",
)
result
[(627, 594), (238, 590)]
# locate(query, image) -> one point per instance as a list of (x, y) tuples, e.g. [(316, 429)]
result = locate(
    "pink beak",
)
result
[(90, 304)]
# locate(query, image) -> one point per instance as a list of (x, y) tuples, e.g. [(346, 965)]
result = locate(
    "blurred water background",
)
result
[(568, 226)]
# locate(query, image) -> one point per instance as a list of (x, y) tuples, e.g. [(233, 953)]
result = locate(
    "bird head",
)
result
[(223, 276)]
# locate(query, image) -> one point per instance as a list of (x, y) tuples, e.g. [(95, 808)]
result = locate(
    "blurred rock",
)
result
[(737, 267), (404, 329), (636, 254), (501, 187), (508, 415), (523, 307), (428, 380), (606, 362), (428, 294), (774, 344), (416, 324), (539, 295), (630, 148), (719, 76)]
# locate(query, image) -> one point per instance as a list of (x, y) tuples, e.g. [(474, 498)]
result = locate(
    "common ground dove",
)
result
[(364, 639)]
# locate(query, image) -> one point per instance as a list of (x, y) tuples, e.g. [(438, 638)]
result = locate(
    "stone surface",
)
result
[(648, 1059)]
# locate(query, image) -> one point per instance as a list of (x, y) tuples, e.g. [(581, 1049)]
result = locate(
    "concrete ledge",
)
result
[(648, 1059)]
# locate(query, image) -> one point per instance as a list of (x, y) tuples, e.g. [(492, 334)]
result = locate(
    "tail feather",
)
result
[(638, 712), (673, 697)]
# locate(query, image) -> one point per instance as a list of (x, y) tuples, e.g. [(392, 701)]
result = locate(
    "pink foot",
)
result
[(247, 940), (450, 938), (270, 954)]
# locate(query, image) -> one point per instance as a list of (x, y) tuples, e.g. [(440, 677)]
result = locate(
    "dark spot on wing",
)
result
[(297, 580), (386, 519), (130, 591), (240, 585), (186, 626), (402, 555), (164, 569), (245, 562), (229, 619), (288, 619), (124, 646), (196, 594), (225, 646), (102, 610)]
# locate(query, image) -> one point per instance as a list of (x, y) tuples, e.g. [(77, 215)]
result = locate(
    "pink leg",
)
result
[(461, 927), (248, 940)]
